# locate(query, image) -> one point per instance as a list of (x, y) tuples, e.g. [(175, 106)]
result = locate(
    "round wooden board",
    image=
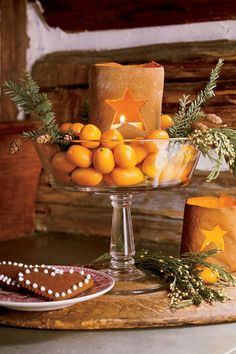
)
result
[(112, 311)]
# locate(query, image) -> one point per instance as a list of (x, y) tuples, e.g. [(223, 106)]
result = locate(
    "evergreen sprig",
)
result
[(191, 111), (220, 140), (182, 275), (27, 97)]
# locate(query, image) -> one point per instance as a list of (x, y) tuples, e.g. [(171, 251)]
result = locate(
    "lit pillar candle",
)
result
[(138, 125), (133, 91)]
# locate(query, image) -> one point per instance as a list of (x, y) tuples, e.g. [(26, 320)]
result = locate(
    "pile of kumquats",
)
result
[(107, 159)]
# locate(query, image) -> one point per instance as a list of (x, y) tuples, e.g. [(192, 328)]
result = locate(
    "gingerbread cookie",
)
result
[(55, 284), (9, 274)]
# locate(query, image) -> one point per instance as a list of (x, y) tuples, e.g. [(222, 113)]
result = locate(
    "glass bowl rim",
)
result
[(130, 140)]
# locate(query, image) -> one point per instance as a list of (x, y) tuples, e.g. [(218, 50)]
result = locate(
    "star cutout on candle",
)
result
[(214, 236), (127, 107)]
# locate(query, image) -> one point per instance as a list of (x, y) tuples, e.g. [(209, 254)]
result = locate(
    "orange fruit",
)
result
[(140, 150), (108, 179), (90, 132), (125, 156), (159, 134), (64, 127), (61, 163), (114, 135), (86, 177), (149, 166), (166, 121), (79, 156), (62, 177), (103, 160), (185, 154), (76, 128), (168, 174), (208, 276), (124, 177)]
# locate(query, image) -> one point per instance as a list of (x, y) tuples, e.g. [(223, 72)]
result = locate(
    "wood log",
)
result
[(71, 15), (14, 43), (180, 60)]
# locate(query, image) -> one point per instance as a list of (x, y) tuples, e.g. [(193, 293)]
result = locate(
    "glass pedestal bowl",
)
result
[(159, 164)]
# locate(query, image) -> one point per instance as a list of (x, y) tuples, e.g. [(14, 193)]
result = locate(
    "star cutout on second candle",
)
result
[(214, 236), (127, 106)]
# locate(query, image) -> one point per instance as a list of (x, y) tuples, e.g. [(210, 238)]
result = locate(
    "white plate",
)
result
[(25, 302)]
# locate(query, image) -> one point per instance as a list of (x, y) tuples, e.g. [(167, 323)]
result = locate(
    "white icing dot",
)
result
[(82, 272), (63, 294), (27, 282), (8, 281), (9, 262), (25, 266), (21, 279), (42, 288), (20, 264), (36, 270), (43, 266), (57, 294), (27, 271), (86, 281), (5, 279), (15, 264), (1, 276), (36, 265), (75, 287), (50, 291), (4, 262), (35, 285), (80, 284), (31, 266), (13, 282), (46, 271), (18, 286), (69, 291), (53, 274), (20, 274), (88, 276), (71, 271), (57, 271), (61, 271)]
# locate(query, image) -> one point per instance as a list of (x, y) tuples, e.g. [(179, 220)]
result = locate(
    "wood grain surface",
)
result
[(18, 182), (136, 311), (74, 15)]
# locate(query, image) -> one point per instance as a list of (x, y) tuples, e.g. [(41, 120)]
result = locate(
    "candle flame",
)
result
[(122, 119)]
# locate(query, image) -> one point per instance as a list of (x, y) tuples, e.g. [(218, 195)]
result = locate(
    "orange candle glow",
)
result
[(123, 120)]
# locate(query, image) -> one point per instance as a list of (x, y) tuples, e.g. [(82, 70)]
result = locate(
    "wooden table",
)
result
[(108, 311)]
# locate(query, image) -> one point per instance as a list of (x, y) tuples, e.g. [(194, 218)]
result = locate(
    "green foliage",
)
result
[(222, 141), (181, 275), (191, 111), (26, 96)]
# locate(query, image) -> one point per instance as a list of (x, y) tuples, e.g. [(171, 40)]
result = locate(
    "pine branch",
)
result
[(182, 274), (26, 95), (190, 112)]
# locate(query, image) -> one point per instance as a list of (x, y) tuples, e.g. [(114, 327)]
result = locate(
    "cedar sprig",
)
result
[(220, 140), (182, 274), (191, 111), (27, 97)]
